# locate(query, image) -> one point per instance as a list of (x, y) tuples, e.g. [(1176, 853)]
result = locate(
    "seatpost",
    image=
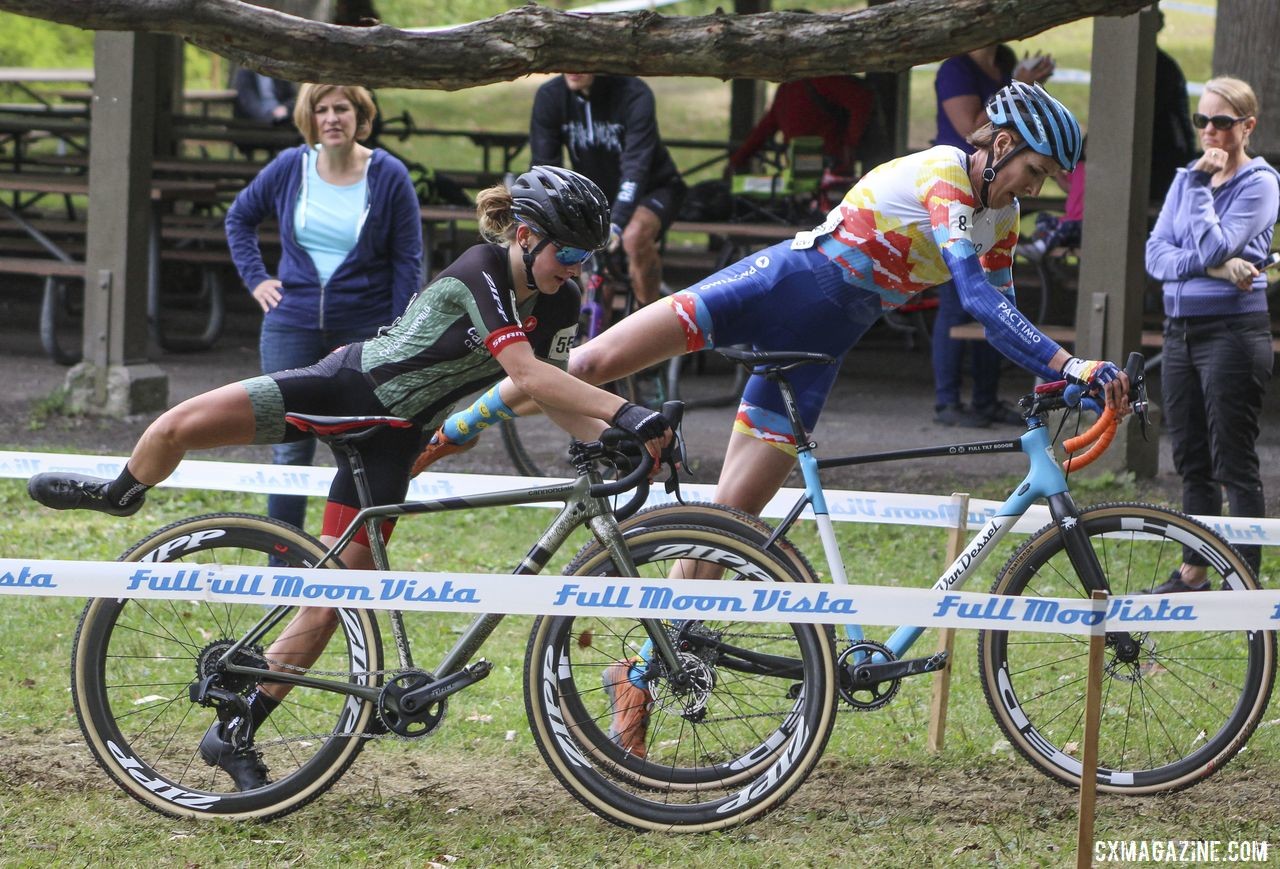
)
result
[(793, 410)]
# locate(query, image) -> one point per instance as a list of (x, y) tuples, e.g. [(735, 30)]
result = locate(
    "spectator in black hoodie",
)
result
[(609, 125)]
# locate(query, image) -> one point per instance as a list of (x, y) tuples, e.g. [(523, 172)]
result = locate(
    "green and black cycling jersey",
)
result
[(444, 347)]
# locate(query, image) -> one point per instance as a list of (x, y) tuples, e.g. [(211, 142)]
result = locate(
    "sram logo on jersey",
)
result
[(503, 338)]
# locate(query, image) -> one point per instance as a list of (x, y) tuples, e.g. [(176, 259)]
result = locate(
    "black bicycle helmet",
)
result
[(562, 206)]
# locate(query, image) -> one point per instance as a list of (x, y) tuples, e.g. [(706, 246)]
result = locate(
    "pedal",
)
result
[(434, 692)]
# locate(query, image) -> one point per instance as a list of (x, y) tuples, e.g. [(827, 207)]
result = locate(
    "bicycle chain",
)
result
[(311, 671)]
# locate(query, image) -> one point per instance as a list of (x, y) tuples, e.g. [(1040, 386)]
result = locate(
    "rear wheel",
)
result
[(135, 661), (1176, 706), (729, 744)]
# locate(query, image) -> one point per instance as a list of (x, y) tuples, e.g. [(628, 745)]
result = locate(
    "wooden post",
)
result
[(947, 636), (1115, 211), (1089, 762), (115, 377)]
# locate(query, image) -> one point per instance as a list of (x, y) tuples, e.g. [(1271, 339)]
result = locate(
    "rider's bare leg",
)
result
[(220, 417), (305, 637)]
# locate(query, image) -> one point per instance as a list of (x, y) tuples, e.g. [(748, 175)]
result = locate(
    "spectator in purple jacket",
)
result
[(350, 239), (1215, 226)]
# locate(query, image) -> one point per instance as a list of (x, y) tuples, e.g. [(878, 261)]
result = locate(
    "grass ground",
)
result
[(477, 794)]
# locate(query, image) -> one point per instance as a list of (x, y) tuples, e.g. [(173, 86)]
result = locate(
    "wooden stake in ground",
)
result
[(1089, 762), (947, 636)]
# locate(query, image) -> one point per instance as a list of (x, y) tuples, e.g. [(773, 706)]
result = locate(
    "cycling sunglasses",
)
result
[(1220, 122), (571, 256)]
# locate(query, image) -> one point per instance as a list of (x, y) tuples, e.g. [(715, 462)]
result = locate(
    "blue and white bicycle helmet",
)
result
[(1046, 125)]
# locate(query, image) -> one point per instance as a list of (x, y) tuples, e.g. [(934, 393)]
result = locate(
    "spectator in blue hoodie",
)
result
[(351, 245), (1214, 228)]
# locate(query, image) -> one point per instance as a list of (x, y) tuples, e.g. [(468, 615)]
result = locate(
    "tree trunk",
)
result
[(1244, 46), (777, 46)]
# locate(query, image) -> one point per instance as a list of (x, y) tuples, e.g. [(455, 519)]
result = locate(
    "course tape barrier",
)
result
[(638, 598), (889, 508)]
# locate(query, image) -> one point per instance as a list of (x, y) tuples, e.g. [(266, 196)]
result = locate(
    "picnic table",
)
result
[(61, 265)]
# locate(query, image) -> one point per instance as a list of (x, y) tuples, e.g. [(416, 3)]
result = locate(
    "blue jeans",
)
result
[(282, 348), (948, 355), (1214, 375)]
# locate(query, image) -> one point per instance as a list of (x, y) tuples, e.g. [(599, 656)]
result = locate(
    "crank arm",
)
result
[(434, 692), (870, 674)]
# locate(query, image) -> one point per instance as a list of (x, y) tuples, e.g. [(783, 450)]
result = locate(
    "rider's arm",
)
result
[(951, 214), (549, 386)]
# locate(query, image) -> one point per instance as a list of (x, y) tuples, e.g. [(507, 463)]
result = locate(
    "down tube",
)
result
[(1043, 480)]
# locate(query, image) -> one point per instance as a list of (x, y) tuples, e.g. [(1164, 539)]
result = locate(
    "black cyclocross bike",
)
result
[(739, 713)]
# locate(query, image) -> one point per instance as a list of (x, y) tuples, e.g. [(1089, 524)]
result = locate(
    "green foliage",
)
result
[(52, 405), (32, 42)]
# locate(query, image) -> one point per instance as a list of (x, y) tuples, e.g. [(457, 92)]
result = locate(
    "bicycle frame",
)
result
[(580, 507), (1044, 479)]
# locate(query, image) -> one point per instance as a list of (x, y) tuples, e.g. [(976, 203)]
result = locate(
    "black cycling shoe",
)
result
[(246, 768), (77, 492)]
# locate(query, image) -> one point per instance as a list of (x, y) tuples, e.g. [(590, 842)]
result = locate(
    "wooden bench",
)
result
[(53, 305)]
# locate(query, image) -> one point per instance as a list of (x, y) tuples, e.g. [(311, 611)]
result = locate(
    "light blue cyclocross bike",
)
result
[(1176, 706)]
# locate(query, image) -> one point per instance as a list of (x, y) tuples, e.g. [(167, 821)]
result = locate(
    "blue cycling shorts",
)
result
[(780, 299)]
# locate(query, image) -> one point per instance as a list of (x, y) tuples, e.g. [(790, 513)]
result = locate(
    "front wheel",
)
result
[(1176, 706), (722, 742), (134, 662)]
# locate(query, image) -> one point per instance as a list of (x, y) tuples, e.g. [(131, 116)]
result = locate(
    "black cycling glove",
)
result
[(642, 422)]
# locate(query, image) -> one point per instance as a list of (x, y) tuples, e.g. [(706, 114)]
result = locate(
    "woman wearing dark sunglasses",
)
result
[(1215, 226)]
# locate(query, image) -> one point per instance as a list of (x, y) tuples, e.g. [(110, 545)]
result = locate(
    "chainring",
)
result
[(860, 695), (400, 723)]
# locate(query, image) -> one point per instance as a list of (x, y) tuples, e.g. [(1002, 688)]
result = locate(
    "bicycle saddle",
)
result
[(337, 429), (775, 360)]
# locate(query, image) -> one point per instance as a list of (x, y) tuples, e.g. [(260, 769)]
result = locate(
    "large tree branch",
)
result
[(777, 46)]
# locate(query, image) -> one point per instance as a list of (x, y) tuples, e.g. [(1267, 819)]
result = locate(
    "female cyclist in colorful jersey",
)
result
[(506, 307), (907, 225)]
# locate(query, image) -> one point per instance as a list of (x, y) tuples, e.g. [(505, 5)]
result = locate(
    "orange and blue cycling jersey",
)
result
[(908, 225)]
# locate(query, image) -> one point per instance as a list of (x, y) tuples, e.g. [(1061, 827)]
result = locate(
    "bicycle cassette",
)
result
[(858, 687)]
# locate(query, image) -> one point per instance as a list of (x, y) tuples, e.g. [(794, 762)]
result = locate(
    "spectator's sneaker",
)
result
[(959, 414), (246, 768), (77, 492), (629, 707), (437, 448), (1174, 584), (1000, 413)]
